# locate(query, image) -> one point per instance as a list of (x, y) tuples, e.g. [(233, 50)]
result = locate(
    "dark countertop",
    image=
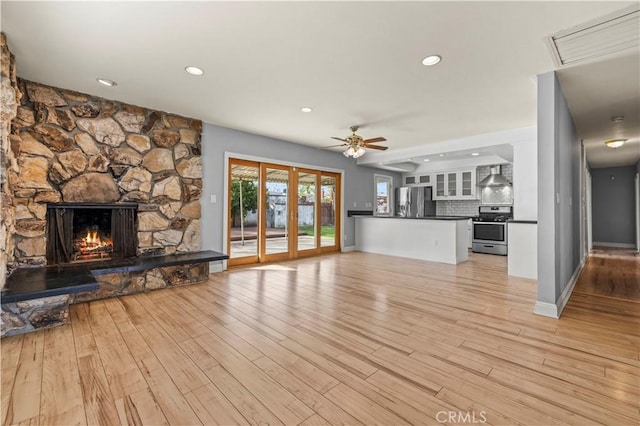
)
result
[(523, 221), (421, 218), (34, 283)]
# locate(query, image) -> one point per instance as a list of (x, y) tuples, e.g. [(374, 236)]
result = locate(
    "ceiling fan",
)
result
[(356, 145)]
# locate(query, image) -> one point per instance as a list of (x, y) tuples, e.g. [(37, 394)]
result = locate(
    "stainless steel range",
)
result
[(490, 230)]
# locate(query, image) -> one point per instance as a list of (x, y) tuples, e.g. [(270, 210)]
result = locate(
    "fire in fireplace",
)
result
[(92, 234), (84, 233)]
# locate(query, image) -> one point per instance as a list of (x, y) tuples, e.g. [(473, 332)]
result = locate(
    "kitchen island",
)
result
[(436, 238)]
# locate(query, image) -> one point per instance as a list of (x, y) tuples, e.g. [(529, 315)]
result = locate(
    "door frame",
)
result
[(316, 213), (291, 214), (338, 223), (246, 260), (228, 155)]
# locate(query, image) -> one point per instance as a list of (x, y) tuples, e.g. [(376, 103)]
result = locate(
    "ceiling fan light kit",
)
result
[(356, 145)]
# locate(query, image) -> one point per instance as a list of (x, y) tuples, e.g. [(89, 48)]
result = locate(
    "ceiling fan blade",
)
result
[(338, 139), (381, 148), (372, 140), (334, 146)]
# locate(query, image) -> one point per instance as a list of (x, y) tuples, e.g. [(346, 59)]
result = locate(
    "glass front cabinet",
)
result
[(455, 185), (422, 179)]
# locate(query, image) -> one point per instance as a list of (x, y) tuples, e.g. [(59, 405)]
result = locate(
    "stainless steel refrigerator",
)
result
[(415, 201)]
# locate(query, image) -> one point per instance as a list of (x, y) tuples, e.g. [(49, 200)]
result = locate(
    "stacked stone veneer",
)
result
[(76, 148), (8, 108), (30, 315), (120, 284)]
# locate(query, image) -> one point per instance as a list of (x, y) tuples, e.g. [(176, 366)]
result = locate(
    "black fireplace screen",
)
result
[(77, 233)]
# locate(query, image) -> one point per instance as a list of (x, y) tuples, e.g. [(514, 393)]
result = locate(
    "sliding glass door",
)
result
[(276, 220), (279, 212), (307, 217), (243, 212), (330, 212)]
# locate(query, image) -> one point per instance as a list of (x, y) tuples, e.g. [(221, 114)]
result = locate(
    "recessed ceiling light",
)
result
[(426, 159), (617, 118), (106, 82), (475, 154), (615, 143), (379, 164), (306, 109), (441, 155), (431, 60), (409, 159), (194, 70)]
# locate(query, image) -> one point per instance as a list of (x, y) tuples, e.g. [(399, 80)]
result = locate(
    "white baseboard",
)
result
[(616, 245), (546, 309), (566, 293), (217, 266), (554, 310), (348, 248)]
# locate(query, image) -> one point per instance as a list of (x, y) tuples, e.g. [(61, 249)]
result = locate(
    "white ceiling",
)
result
[(617, 81), (352, 62)]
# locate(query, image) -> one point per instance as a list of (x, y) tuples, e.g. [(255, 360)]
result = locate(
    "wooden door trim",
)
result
[(316, 214), (245, 259), (263, 256)]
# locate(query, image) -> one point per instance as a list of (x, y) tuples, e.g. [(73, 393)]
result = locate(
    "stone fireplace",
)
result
[(80, 233), (97, 199), (90, 180), (76, 153)]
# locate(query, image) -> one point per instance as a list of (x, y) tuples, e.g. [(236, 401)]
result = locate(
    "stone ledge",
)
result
[(143, 263), (34, 283), (37, 298)]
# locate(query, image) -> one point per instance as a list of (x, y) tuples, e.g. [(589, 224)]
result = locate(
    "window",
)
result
[(383, 191)]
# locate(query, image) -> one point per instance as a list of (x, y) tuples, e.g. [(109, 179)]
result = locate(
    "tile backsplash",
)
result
[(457, 208), (502, 196)]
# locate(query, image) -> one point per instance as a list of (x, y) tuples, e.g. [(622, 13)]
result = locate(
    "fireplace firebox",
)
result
[(90, 232)]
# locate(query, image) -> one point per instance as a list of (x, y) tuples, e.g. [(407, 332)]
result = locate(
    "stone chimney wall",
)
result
[(77, 148), (9, 100)]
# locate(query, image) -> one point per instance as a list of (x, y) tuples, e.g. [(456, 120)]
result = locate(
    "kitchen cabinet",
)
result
[(468, 184), (456, 185), (422, 179), (452, 186), (440, 195), (470, 229)]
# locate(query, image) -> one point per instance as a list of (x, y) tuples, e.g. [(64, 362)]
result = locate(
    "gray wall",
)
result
[(559, 181), (613, 205), (358, 181)]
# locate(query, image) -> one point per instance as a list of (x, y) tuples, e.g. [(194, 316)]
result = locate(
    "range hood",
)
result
[(495, 178)]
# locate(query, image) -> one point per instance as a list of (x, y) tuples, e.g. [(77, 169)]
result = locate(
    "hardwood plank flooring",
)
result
[(341, 339), (611, 272)]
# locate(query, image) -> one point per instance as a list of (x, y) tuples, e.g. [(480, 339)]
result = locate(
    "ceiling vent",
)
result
[(604, 36)]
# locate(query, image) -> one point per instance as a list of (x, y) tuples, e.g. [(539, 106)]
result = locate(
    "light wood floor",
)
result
[(340, 339), (612, 273)]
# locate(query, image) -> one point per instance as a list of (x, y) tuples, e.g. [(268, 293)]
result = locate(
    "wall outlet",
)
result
[(355, 204), (436, 243), (213, 198)]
